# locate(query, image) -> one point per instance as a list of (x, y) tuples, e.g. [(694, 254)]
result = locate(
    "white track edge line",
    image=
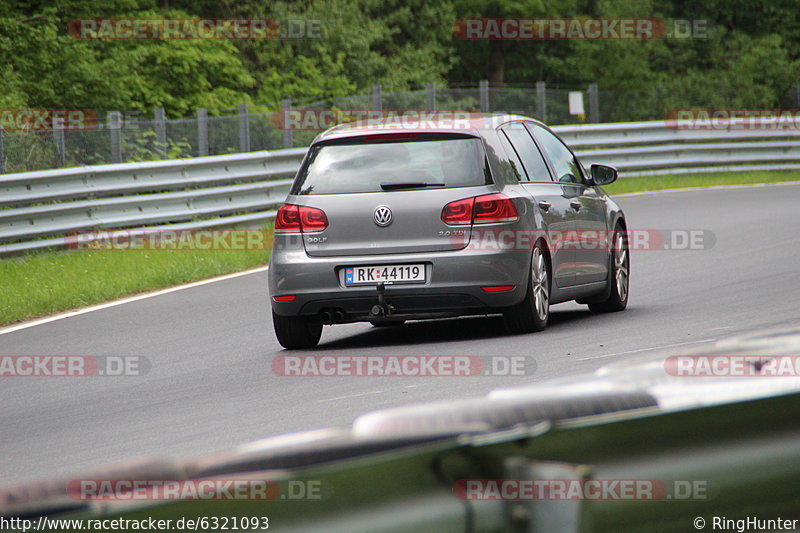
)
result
[(126, 300)]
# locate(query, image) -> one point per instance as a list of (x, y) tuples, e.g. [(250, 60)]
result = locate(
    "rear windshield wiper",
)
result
[(408, 185)]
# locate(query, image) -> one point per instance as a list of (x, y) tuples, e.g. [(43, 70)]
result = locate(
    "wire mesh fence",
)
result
[(127, 137)]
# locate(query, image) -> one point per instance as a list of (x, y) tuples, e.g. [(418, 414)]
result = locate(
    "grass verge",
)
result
[(51, 282), (679, 181)]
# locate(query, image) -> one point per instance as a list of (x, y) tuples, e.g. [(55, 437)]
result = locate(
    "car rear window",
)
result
[(375, 166)]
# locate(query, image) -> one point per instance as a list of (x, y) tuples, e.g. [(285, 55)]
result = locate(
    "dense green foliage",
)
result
[(750, 58)]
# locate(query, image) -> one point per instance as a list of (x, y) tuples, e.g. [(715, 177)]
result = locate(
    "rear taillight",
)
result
[(296, 218), (288, 219), (494, 208), (312, 219), (487, 209), (458, 212)]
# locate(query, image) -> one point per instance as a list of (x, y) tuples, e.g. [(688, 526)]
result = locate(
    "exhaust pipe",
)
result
[(332, 317)]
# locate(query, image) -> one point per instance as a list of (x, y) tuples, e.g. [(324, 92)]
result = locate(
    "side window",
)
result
[(532, 160), (513, 158), (503, 161), (565, 164)]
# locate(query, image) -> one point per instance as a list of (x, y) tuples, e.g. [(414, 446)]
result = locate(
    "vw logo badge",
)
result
[(383, 215)]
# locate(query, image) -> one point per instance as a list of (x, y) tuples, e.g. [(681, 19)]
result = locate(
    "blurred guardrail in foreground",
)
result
[(638, 447), (37, 209)]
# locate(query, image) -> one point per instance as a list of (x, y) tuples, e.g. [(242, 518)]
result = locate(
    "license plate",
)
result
[(388, 274)]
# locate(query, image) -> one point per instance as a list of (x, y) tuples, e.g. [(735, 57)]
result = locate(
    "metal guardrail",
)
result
[(37, 209), (658, 131)]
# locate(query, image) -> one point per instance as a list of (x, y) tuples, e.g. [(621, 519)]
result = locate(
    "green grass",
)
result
[(680, 181), (53, 281), (50, 282)]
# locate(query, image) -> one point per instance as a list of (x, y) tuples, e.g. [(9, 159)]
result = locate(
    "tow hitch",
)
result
[(382, 308)]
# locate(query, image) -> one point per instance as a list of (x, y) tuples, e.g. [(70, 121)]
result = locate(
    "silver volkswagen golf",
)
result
[(490, 215)]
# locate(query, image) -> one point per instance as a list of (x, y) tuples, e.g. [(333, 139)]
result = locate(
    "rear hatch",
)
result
[(384, 193)]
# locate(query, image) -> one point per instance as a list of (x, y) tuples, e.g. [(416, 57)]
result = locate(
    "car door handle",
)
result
[(545, 206), (575, 204)]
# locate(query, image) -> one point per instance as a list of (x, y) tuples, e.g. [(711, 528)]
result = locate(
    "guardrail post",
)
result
[(594, 103), (431, 94), (483, 95), (161, 132), (58, 138), (244, 129), (288, 140), (377, 97), (541, 101), (2, 153), (114, 124), (202, 131)]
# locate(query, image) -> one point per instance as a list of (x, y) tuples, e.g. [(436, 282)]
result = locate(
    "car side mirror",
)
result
[(604, 174)]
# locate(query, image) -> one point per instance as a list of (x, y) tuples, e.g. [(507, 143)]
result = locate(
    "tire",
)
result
[(532, 313), (296, 332), (387, 323), (618, 276)]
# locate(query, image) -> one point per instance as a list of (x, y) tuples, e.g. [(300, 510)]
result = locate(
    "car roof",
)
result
[(458, 122)]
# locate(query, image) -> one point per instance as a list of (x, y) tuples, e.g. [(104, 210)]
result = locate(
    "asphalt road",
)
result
[(211, 387)]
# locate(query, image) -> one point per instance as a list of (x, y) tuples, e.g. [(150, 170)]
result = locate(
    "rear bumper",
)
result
[(453, 285)]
